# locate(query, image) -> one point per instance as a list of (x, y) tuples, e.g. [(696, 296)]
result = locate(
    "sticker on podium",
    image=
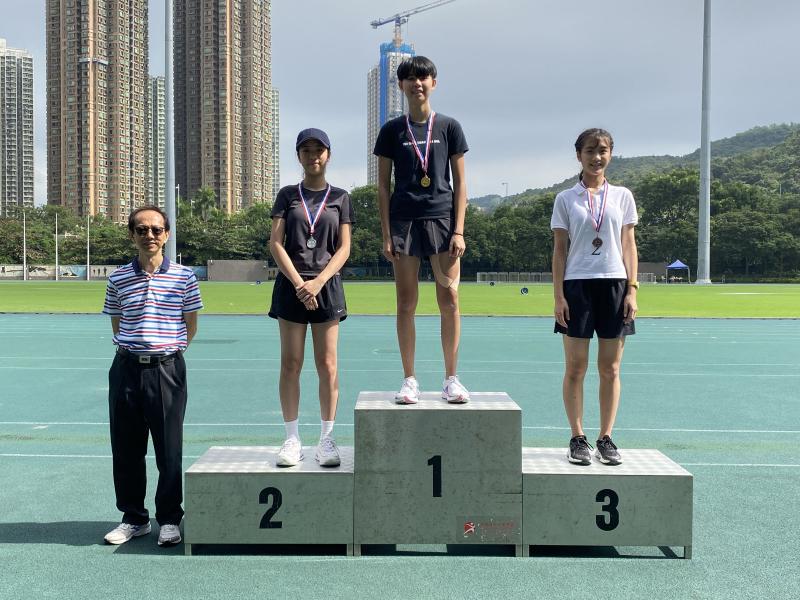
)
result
[(437, 473), (645, 501), (237, 495)]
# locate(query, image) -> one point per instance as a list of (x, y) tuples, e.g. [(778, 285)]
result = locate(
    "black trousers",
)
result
[(142, 399)]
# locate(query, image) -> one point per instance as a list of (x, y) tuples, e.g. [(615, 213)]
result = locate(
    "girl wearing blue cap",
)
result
[(310, 242)]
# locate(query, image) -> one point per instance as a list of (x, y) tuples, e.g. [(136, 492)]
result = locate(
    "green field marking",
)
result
[(378, 298)]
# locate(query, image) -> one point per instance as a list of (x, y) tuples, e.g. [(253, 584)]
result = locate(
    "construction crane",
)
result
[(402, 18)]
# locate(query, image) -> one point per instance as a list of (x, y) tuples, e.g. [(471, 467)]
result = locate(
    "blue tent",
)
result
[(679, 265)]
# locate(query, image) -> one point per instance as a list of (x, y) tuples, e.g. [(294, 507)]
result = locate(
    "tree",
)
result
[(204, 203)]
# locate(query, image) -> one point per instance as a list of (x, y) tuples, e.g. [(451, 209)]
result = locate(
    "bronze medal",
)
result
[(597, 242)]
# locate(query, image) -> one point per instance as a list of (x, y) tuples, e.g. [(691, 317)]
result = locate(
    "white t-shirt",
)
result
[(571, 212)]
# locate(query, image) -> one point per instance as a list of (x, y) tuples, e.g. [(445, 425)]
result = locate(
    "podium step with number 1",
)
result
[(437, 473)]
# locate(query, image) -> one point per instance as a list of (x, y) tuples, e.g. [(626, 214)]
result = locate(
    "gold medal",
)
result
[(425, 181)]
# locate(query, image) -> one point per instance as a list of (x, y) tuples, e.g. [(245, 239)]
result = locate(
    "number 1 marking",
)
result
[(436, 462)]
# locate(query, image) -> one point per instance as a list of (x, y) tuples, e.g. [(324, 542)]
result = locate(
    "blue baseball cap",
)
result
[(312, 134)]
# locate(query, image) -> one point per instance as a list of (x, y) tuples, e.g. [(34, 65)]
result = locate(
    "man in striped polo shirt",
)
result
[(153, 306)]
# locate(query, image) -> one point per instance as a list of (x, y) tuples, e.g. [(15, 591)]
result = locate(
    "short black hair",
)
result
[(417, 66), (132, 217)]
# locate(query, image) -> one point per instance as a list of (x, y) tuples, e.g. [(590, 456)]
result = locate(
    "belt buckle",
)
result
[(144, 359)]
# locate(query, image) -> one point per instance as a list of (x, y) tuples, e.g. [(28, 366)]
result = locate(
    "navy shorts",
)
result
[(330, 301), (596, 305), (421, 237)]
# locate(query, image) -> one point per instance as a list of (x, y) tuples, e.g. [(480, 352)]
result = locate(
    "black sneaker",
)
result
[(606, 452), (580, 451)]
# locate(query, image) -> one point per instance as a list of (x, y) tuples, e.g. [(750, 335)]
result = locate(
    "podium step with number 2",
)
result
[(236, 495)]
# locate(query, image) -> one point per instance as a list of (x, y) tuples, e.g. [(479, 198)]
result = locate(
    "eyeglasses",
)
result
[(143, 229)]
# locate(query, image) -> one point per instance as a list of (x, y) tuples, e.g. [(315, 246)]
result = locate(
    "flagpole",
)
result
[(56, 246), (24, 247)]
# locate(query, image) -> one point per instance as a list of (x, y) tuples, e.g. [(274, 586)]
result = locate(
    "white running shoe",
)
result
[(327, 454), (290, 453), (409, 391), (125, 531), (453, 391), (169, 535)]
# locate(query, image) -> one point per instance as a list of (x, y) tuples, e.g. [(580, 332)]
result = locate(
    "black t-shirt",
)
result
[(288, 206), (410, 200)]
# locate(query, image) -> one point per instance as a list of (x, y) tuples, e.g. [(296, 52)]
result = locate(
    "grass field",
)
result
[(740, 301)]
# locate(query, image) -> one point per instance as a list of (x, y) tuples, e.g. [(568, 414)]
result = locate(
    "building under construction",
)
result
[(385, 100)]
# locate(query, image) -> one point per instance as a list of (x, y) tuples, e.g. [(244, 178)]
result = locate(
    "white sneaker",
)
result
[(290, 453), (169, 535), (327, 454), (125, 531), (453, 391), (409, 391)]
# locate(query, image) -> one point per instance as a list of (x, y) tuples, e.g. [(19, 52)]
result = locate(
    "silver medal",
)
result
[(311, 243)]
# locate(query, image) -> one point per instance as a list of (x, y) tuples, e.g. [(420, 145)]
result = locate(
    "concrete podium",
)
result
[(236, 495), (645, 501), (437, 473)]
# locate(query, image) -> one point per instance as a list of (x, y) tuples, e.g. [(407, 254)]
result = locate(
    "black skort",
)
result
[(330, 301), (421, 237), (596, 305)]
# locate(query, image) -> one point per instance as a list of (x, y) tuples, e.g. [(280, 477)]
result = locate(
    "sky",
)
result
[(523, 77)]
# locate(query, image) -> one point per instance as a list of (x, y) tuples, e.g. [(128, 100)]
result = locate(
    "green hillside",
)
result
[(730, 157)]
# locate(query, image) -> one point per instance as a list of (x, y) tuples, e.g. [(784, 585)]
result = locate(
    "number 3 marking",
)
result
[(274, 495), (612, 520)]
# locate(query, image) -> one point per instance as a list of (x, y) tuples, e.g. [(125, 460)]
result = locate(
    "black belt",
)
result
[(146, 359)]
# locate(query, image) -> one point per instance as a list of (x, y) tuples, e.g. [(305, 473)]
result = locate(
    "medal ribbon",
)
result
[(423, 160), (599, 220), (313, 221)]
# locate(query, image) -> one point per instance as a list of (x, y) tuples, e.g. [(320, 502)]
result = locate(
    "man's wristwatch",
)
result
[(633, 284)]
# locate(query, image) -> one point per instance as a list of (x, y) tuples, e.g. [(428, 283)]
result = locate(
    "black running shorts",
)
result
[(596, 305), (421, 237), (330, 301)]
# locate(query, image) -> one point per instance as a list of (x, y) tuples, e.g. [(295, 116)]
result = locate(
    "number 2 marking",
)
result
[(266, 496), (612, 520), (436, 462)]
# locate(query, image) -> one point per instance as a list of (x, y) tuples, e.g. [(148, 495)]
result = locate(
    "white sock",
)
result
[(292, 429), (326, 429)]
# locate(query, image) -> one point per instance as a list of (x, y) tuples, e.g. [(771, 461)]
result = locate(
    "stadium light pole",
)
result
[(704, 210), (169, 158), (505, 183)]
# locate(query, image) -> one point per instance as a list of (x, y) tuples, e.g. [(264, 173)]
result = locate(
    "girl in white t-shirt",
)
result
[(594, 284)]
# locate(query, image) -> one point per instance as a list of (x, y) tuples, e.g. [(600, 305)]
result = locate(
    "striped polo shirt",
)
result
[(151, 307)]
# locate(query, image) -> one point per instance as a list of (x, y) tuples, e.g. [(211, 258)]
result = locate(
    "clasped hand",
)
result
[(307, 293)]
